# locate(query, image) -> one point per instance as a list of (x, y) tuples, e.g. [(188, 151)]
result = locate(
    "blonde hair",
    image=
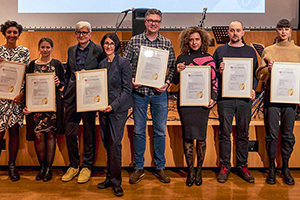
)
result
[(83, 24)]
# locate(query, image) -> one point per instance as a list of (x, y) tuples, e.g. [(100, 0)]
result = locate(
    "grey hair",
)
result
[(83, 24)]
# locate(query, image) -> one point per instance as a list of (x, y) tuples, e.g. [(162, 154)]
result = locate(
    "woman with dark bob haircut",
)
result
[(194, 43), (42, 127), (112, 119), (11, 114)]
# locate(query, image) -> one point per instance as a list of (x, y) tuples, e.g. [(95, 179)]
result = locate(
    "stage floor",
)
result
[(149, 188)]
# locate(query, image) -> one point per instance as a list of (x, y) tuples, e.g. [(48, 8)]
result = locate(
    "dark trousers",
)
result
[(72, 127), (112, 129), (227, 108), (271, 117)]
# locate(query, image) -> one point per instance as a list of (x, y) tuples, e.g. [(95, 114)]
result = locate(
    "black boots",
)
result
[(13, 174), (48, 174), (190, 177), (198, 177), (41, 173), (271, 178), (286, 176)]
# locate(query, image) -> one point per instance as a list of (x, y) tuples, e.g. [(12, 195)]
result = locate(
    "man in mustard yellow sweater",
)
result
[(284, 50)]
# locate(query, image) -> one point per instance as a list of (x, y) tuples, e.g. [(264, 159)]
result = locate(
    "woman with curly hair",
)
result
[(11, 114), (194, 46)]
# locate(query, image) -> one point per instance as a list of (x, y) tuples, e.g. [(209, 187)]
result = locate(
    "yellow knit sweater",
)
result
[(279, 52)]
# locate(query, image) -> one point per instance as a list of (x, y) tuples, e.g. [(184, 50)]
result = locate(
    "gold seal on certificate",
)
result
[(285, 83), (152, 67), (40, 92), (195, 86), (97, 98), (237, 77), (91, 86), (10, 89), (11, 78)]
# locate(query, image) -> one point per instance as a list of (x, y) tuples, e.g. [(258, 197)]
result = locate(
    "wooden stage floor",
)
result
[(149, 188)]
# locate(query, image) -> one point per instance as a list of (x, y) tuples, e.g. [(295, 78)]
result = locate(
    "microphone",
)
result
[(204, 12), (126, 11)]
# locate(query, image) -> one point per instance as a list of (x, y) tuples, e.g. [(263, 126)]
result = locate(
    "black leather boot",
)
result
[(13, 174), (271, 178), (48, 174), (286, 176), (198, 178), (41, 173), (190, 177)]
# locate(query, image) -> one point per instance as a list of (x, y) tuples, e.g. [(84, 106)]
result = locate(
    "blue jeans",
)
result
[(159, 112)]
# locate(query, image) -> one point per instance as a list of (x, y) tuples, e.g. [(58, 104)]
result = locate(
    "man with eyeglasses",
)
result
[(157, 97), (86, 55)]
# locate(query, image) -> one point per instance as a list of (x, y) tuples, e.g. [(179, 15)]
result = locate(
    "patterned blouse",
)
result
[(44, 121), (11, 112)]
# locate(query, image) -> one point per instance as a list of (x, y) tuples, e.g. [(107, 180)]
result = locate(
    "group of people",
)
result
[(124, 92)]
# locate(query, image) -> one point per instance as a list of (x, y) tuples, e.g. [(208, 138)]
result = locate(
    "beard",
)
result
[(235, 39)]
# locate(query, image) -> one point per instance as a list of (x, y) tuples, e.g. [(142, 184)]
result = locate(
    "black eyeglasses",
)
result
[(153, 21), (109, 44), (84, 33)]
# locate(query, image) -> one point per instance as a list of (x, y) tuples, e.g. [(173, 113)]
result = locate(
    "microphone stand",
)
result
[(203, 18), (125, 15)]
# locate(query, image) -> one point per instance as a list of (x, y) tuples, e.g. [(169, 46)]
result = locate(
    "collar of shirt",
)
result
[(159, 37), (87, 47)]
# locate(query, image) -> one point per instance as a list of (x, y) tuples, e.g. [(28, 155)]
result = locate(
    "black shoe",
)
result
[(287, 177), (48, 174), (162, 176), (13, 174), (244, 173), (271, 178), (198, 178), (104, 184), (136, 176), (41, 174), (118, 191), (223, 175), (190, 178)]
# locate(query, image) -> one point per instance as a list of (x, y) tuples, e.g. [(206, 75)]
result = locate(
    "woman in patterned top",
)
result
[(11, 115), (194, 46), (42, 127)]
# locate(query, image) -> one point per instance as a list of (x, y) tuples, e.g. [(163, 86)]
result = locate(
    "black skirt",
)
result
[(193, 121)]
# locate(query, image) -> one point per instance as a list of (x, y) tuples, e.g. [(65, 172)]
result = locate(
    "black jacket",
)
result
[(119, 81)]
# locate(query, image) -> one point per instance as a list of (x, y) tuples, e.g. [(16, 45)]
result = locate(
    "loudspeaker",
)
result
[(138, 25)]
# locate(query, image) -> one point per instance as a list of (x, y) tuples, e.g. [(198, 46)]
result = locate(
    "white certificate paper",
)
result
[(11, 78), (92, 94), (195, 86), (152, 67), (285, 83), (237, 77), (40, 92)]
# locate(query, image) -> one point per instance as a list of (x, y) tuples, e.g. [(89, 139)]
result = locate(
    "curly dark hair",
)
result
[(185, 36), (8, 24)]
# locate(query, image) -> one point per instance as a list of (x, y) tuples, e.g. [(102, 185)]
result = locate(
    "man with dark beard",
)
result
[(240, 107)]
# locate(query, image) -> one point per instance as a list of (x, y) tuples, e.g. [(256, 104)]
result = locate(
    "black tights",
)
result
[(188, 146), (13, 142), (45, 144)]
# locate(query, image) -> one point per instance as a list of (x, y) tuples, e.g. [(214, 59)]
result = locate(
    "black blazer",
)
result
[(92, 61), (119, 81), (59, 72)]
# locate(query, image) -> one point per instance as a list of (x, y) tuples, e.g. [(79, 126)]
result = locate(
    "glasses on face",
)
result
[(84, 33), (153, 21), (107, 44)]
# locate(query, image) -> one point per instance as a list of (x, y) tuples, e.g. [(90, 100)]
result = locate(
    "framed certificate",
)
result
[(11, 79), (195, 86), (91, 88), (152, 67), (40, 92), (237, 77), (285, 83)]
